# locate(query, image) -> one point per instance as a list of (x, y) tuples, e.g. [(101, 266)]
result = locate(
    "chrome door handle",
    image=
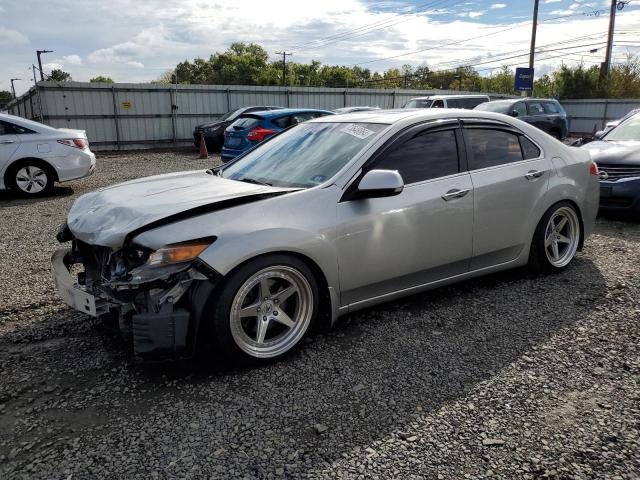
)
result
[(455, 193), (4, 142), (533, 174)]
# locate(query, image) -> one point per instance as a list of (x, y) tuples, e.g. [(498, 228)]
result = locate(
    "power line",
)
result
[(457, 42), (284, 54), (366, 29)]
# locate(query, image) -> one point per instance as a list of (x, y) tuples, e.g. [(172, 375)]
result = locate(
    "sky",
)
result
[(138, 40)]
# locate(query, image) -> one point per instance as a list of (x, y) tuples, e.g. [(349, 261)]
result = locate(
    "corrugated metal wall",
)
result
[(585, 115), (129, 116)]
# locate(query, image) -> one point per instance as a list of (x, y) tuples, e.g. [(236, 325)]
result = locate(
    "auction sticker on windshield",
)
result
[(357, 131)]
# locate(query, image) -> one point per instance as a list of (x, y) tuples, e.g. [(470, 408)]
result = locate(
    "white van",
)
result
[(447, 101)]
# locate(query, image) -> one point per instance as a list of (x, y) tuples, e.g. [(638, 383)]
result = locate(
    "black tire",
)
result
[(539, 258), (12, 180), (222, 331)]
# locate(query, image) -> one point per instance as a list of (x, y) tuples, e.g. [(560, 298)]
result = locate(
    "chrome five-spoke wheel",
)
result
[(562, 236), (271, 311)]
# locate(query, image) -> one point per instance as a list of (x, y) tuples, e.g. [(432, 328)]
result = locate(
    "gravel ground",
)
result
[(508, 376)]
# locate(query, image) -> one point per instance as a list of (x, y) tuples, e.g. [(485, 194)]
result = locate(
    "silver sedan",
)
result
[(328, 217)]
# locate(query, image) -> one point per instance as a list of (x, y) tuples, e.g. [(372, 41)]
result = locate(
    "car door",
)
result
[(9, 143), (538, 117), (510, 176), (521, 110), (419, 236)]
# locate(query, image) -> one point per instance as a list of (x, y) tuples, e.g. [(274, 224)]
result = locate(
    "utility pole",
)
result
[(13, 88), (40, 52), (284, 54), (612, 22), (534, 30)]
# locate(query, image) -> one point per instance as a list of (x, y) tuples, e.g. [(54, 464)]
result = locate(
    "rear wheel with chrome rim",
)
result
[(264, 309), (557, 238), (31, 178)]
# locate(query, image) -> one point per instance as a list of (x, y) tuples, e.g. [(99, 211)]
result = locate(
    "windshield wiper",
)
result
[(254, 181)]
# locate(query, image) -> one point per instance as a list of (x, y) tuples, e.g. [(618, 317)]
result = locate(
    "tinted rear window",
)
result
[(245, 122), (498, 107)]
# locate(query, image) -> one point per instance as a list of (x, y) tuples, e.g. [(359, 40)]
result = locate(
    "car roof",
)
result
[(286, 111), (409, 116), (523, 99), (439, 97)]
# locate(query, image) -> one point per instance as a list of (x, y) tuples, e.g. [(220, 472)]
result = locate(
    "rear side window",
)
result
[(7, 128), (245, 122), (425, 156), (529, 149), (535, 108), (455, 103), (471, 103), (282, 122), (491, 148), (551, 107)]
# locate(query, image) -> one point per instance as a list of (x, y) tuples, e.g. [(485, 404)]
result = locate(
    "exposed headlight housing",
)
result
[(179, 252)]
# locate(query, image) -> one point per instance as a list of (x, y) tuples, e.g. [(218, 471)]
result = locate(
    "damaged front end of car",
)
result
[(145, 289)]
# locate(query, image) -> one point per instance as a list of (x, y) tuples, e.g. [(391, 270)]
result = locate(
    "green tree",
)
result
[(5, 97), (101, 79), (59, 75)]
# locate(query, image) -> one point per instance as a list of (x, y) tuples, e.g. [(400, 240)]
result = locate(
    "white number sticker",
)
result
[(357, 131)]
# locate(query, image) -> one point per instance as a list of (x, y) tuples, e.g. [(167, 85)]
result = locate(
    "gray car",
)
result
[(326, 218)]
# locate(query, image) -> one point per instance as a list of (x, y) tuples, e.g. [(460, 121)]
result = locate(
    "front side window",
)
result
[(426, 156), (305, 155), (521, 108), (535, 108), (551, 107), (491, 148), (437, 104)]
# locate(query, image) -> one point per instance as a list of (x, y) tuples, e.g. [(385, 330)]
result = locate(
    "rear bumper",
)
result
[(75, 166), (620, 196)]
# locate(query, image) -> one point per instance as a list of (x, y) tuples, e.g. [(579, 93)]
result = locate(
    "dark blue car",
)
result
[(252, 128)]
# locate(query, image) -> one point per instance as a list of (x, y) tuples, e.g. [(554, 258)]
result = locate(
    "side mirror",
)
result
[(514, 113), (599, 134), (380, 183)]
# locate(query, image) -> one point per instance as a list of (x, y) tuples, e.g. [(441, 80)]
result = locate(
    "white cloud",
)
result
[(134, 64), (52, 66), (12, 38), (72, 60), (497, 5), (552, 1)]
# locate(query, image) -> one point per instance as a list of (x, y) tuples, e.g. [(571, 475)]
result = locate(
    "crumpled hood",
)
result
[(614, 152), (105, 217)]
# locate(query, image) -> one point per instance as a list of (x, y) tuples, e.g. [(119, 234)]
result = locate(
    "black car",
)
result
[(214, 131), (617, 154), (548, 115)]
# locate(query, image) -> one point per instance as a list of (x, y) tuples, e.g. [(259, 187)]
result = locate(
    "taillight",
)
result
[(593, 169), (258, 134), (80, 143)]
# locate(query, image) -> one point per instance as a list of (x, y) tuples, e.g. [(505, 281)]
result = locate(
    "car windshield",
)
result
[(418, 103), (498, 107), (232, 115), (303, 156), (629, 130)]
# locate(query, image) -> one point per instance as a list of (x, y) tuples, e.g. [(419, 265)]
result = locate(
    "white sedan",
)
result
[(34, 156)]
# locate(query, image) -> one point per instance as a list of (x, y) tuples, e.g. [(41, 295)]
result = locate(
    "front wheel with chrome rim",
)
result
[(557, 238), (264, 309)]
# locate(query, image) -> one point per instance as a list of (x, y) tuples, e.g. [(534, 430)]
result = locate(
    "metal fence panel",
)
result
[(127, 115), (587, 115)]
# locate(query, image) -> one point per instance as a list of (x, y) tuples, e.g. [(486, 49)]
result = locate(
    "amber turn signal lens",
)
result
[(180, 252)]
